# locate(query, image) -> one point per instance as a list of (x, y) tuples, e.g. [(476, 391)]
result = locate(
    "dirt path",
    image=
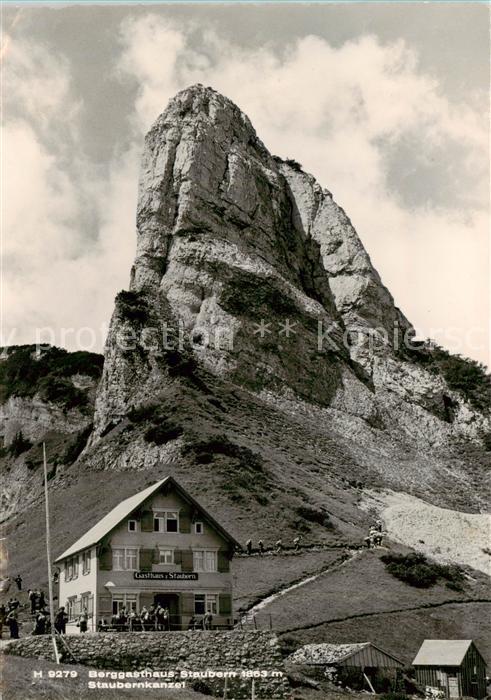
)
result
[(344, 559)]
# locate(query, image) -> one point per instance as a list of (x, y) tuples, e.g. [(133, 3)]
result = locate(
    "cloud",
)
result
[(345, 113), (408, 165), (58, 276)]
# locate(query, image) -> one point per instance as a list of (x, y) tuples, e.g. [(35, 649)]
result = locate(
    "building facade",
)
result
[(454, 667), (157, 547)]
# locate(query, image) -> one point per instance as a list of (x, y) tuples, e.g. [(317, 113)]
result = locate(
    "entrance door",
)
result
[(171, 602), (453, 687)]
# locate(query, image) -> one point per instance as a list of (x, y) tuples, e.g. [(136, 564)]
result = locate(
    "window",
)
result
[(124, 600), (71, 568), (71, 608), (212, 603), (198, 528), (125, 558), (86, 562), (166, 556), (204, 560), (199, 604), (166, 521), (205, 603), (132, 526), (87, 602)]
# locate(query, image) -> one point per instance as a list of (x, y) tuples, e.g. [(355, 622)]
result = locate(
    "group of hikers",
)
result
[(373, 539), (375, 536), (155, 618), (278, 546), (9, 614)]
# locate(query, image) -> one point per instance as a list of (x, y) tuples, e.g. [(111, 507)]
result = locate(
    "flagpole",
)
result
[(48, 555)]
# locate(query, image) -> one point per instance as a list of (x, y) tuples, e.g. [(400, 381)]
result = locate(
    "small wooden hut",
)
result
[(453, 666), (364, 659)]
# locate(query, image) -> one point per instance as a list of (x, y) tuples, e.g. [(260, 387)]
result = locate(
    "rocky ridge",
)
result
[(229, 237)]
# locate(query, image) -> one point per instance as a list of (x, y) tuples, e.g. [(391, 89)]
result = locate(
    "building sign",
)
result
[(164, 576)]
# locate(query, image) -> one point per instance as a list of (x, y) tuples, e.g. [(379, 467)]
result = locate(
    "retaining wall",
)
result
[(202, 652)]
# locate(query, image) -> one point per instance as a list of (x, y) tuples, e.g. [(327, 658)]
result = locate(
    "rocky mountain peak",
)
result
[(248, 270)]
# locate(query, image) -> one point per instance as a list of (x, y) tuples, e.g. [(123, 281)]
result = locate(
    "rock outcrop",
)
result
[(248, 267)]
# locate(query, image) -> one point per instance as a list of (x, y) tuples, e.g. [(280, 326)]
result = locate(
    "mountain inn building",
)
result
[(159, 546)]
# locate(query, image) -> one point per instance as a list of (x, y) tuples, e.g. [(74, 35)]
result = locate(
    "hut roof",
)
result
[(325, 653), (442, 652)]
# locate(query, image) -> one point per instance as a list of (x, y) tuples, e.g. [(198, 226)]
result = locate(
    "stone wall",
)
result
[(241, 652)]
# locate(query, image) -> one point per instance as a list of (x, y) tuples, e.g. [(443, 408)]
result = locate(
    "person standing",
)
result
[(261, 547), (249, 547), (13, 624), (32, 599), (40, 624), (296, 543), (61, 618), (207, 621), (83, 621), (3, 618), (279, 546), (18, 580)]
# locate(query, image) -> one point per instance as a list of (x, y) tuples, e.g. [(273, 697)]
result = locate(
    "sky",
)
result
[(387, 105)]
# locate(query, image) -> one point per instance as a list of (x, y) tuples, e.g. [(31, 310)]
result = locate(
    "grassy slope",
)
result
[(18, 684), (403, 633), (361, 586), (257, 577), (304, 462)]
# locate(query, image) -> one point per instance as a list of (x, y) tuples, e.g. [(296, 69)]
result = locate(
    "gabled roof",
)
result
[(125, 508), (442, 652), (320, 654)]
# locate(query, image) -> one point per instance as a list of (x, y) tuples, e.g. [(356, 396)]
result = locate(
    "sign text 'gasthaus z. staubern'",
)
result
[(158, 547)]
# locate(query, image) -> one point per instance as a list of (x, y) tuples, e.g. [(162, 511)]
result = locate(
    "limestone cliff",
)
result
[(235, 247)]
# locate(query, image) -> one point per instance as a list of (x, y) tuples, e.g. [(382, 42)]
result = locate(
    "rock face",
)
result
[(365, 305), (230, 238), (248, 267)]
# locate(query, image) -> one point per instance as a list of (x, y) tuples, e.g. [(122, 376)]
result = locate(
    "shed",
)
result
[(355, 665), (360, 655), (454, 666)]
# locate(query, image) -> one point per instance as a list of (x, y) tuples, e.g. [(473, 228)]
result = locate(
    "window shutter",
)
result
[(223, 561), (185, 521), (105, 606), (186, 560), (146, 599), (105, 558), (225, 604), (146, 559), (147, 521), (187, 603), (177, 556)]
